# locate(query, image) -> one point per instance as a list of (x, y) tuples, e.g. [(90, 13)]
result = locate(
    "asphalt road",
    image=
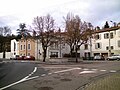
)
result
[(40, 76), (12, 72)]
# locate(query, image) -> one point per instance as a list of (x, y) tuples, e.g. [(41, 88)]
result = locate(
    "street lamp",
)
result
[(60, 42)]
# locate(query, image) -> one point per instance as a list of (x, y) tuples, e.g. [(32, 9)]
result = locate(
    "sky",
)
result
[(14, 12)]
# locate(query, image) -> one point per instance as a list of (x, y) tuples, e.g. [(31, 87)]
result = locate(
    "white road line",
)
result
[(103, 70), (35, 69), (86, 72), (43, 75), (113, 71), (56, 67), (49, 73), (31, 78), (22, 80), (66, 70), (85, 69)]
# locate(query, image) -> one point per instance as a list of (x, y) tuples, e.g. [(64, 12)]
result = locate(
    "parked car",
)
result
[(29, 58), (114, 57), (14, 57), (99, 57), (20, 58)]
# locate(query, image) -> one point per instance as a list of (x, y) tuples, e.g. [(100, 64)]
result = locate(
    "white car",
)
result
[(99, 57), (114, 57)]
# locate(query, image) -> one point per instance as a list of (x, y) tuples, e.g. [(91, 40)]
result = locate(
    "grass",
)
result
[(111, 82)]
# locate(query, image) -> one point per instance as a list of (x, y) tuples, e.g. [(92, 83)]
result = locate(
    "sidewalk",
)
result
[(59, 61), (110, 82)]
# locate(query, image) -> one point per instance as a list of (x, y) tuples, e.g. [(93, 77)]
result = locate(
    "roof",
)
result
[(107, 29)]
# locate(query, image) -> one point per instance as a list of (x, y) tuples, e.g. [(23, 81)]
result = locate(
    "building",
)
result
[(33, 46), (26, 46), (107, 42), (14, 48), (103, 42)]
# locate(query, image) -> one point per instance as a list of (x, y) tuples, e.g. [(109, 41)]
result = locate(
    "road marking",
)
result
[(56, 67), (49, 73), (85, 72), (43, 75), (103, 70), (22, 80), (85, 69), (113, 71), (66, 70)]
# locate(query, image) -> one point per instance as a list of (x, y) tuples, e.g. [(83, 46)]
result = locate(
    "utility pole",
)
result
[(109, 52), (60, 42)]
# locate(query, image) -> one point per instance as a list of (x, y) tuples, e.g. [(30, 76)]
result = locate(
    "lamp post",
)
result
[(109, 52), (60, 42)]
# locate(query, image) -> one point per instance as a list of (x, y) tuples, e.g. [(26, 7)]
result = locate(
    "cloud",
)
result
[(23, 11)]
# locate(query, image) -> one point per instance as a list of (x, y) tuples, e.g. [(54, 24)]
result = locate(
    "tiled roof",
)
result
[(107, 29)]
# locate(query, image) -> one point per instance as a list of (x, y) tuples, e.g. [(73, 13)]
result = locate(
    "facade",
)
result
[(103, 42), (26, 46), (107, 43), (56, 50), (14, 48)]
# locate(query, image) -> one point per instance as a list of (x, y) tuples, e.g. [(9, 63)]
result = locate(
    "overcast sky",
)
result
[(14, 12)]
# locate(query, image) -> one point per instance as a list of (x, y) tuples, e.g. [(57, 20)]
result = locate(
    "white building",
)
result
[(14, 48), (56, 50), (107, 42), (104, 42)]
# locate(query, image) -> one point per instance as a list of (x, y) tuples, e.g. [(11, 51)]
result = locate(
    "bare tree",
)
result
[(77, 33), (5, 31), (45, 27)]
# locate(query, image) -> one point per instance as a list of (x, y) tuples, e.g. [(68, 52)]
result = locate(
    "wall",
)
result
[(7, 56)]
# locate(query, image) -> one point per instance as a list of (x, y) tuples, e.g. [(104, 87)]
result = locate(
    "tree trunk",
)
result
[(44, 55), (4, 54), (76, 55), (71, 51)]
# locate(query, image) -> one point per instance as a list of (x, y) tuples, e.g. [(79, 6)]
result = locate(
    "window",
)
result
[(54, 54), (28, 46), (111, 35), (107, 48), (119, 43), (112, 47), (56, 44), (24, 46), (97, 37), (14, 46), (86, 46), (97, 45), (20, 47), (28, 54), (106, 35)]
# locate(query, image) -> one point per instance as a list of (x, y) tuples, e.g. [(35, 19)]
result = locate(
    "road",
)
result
[(36, 76), (12, 73)]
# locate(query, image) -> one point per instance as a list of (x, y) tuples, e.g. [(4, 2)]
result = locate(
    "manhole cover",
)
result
[(66, 79), (45, 88)]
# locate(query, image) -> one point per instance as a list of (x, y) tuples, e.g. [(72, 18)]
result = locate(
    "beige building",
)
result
[(26, 46)]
